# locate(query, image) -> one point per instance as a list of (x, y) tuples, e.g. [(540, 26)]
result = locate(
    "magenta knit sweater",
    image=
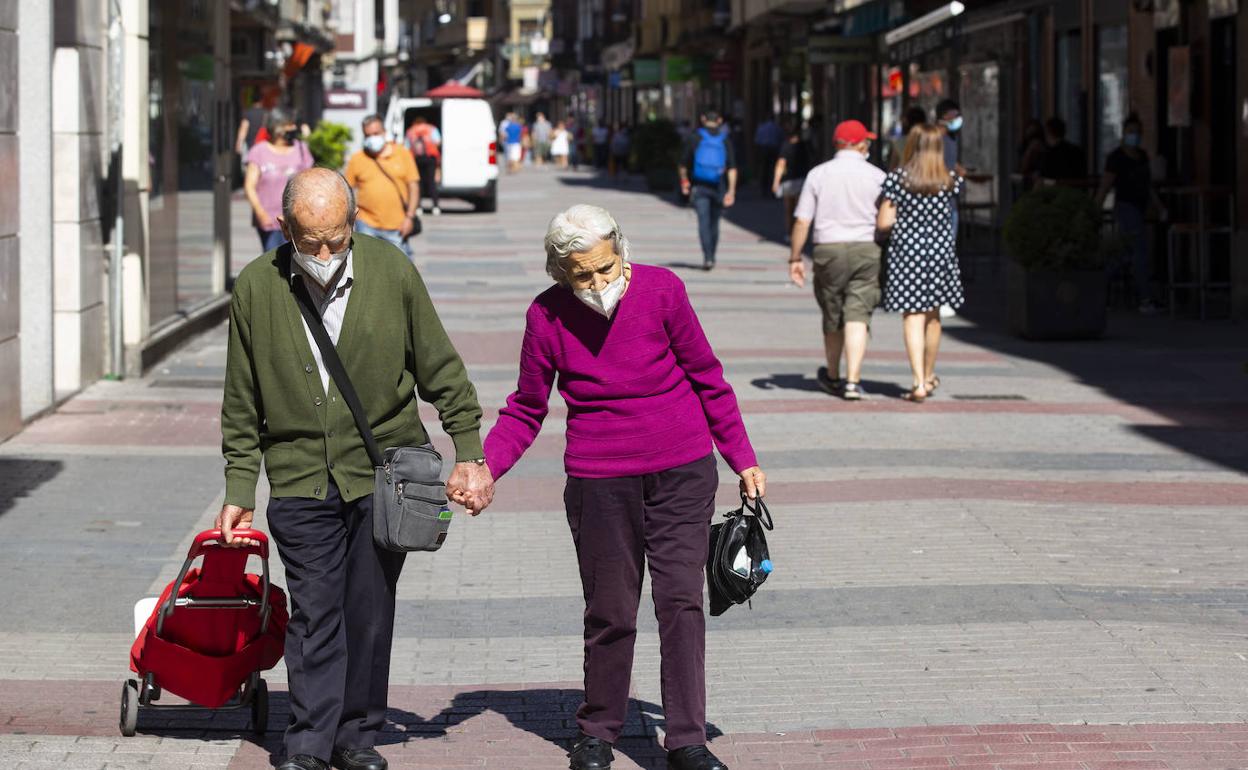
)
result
[(644, 390)]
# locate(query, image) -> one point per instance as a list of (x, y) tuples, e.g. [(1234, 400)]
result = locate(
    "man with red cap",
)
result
[(839, 203)]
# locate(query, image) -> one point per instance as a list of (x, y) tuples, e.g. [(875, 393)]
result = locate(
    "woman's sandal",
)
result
[(933, 384), (913, 395)]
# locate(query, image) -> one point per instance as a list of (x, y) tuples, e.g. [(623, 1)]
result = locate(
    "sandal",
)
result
[(852, 391), (933, 384), (913, 395)]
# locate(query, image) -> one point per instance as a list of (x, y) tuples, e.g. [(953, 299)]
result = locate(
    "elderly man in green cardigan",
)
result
[(280, 403)]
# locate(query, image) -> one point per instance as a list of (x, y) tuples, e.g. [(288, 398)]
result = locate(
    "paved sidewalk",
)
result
[(1044, 566)]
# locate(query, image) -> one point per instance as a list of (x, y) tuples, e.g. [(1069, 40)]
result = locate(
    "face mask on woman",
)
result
[(604, 301)]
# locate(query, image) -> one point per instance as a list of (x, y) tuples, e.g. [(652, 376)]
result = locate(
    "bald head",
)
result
[(318, 211)]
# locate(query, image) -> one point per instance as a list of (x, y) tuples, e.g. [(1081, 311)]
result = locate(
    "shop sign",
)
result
[(835, 49), (677, 69), (647, 72), (343, 99), (874, 18), (923, 43)]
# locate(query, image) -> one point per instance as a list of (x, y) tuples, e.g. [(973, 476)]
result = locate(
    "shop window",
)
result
[(1068, 98), (1112, 98)]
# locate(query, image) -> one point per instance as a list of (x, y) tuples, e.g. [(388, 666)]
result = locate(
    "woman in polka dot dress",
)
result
[(917, 212)]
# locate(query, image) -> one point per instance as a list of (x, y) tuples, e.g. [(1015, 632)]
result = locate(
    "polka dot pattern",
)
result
[(922, 266)]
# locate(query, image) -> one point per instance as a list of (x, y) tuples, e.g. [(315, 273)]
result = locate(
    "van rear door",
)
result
[(467, 132)]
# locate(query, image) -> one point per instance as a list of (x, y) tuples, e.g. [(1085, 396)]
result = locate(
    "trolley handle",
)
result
[(212, 537)]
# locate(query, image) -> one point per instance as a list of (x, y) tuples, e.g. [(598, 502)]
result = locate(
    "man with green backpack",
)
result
[(708, 176)]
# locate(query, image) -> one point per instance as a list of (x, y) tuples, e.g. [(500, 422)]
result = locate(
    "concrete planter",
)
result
[(1052, 305)]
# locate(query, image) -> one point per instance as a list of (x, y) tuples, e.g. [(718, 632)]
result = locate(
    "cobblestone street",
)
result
[(1044, 566)]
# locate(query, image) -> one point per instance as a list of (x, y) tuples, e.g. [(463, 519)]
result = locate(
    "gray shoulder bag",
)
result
[(410, 510)]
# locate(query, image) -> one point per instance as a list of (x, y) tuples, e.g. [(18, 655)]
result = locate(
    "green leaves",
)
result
[(1056, 228)]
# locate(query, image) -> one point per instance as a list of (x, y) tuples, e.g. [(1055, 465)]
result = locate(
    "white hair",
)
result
[(579, 229)]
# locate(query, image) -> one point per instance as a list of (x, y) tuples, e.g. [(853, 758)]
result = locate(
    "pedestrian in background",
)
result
[(840, 200), (620, 147), (917, 212), (622, 339), (425, 142), (254, 118), (708, 177), (540, 132), (1128, 173), (601, 135), (768, 137), (513, 140), (560, 145), (914, 116), (1061, 160), (270, 165), (794, 163), (342, 586), (384, 177)]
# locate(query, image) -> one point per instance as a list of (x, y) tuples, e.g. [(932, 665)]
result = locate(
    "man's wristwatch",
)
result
[(479, 462)]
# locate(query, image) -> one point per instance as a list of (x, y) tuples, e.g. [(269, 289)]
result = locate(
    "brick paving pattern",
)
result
[(1042, 567)]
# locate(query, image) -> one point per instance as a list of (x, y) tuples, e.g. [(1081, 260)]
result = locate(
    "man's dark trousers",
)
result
[(617, 525), (708, 201), (342, 621), (427, 167)]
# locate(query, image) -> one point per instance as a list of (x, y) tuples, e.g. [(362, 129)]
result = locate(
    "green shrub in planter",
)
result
[(328, 144), (1055, 228), (1056, 283)]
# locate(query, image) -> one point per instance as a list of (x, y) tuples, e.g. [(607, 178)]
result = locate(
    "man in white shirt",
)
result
[(840, 200)]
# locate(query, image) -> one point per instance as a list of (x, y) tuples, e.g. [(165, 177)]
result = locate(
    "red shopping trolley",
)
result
[(212, 632)]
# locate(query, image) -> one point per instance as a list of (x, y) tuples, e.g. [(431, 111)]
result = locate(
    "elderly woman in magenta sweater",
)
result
[(646, 399)]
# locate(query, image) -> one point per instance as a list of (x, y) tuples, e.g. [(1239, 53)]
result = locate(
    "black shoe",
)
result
[(303, 762), (830, 386), (694, 758), (590, 753), (358, 759)]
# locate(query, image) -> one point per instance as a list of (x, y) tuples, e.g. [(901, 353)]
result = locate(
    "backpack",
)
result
[(710, 159)]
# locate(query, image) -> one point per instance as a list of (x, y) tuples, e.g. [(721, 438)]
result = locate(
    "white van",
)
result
[(469, 144)]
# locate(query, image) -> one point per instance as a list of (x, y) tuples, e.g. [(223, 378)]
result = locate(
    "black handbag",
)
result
[(738, 562), (410, 508)]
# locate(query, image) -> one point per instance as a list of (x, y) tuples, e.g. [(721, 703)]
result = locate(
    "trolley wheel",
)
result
[(260, 708), (129, 721)]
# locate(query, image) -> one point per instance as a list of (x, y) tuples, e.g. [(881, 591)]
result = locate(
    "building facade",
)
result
[(117, 127)]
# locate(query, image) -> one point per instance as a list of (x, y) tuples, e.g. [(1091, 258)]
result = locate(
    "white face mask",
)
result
[(604, 301), (321, 272), (375, 143)]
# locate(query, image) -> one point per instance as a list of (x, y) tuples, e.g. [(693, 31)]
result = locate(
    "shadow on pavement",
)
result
[(546, 713), (808, 384), (20, 476), (1192, 375)]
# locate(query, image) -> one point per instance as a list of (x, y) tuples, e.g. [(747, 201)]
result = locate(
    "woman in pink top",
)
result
[(269, 165), (646, 402)]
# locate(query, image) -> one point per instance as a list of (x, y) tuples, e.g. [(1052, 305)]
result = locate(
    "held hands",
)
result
[(753, 483), (472, 486), (231, 518)]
